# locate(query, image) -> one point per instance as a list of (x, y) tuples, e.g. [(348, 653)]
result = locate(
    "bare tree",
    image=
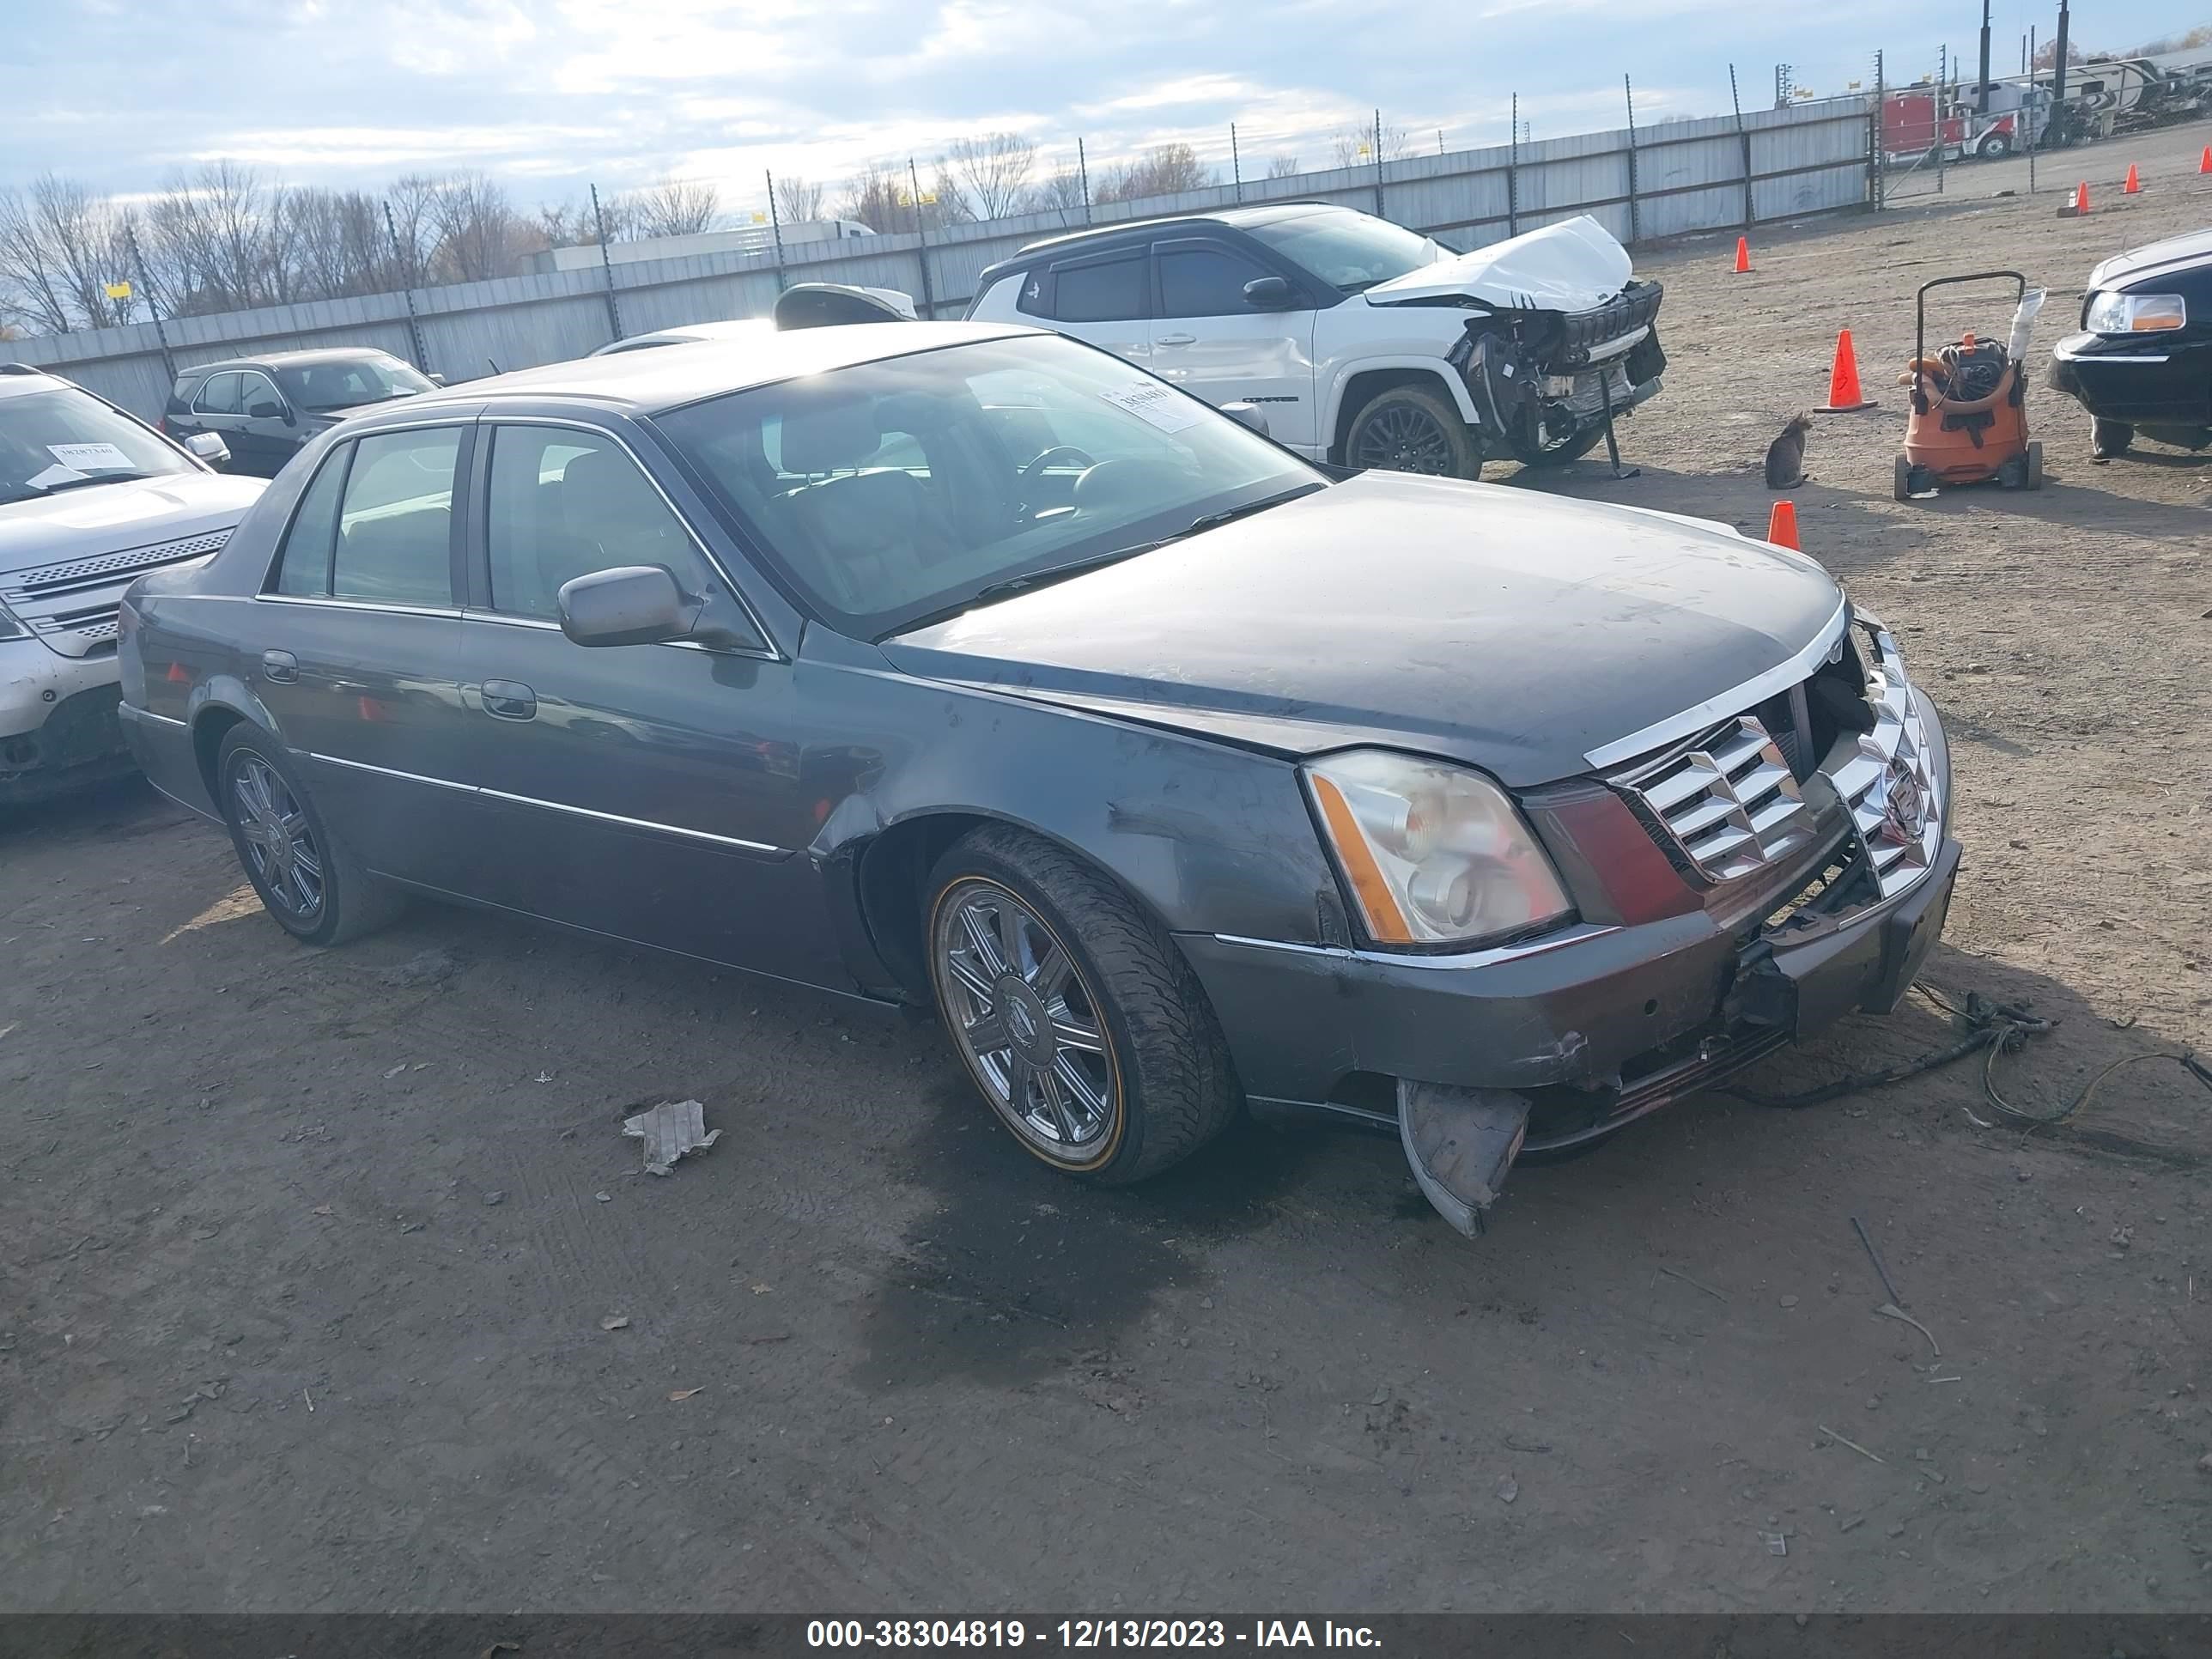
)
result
[(798, 199), (1282, 167), (676, 207), (1354, 147), (1167, 170), (480, 235), (993, 171), (60, 248), (1059, 192), (881, 198)]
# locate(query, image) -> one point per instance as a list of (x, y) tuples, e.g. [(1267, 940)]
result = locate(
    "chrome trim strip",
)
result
[(2063, 355), (138, 714), (556, 806), (1464, 960), (1754, 690), (331, 602)]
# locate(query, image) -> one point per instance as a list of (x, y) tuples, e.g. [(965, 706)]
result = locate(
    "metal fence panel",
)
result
[(1688, 178)]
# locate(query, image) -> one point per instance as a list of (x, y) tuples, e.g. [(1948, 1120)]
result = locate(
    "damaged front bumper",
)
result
[(1474, 1058), (1544, 382)]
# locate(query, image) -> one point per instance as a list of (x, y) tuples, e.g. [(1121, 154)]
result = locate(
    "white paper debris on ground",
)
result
[(669, 1131)]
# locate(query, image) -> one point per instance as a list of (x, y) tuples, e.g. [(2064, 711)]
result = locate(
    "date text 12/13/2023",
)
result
[(1084, 1633)]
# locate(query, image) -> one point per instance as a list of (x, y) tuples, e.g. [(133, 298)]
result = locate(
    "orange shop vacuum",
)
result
[(1968, 420)]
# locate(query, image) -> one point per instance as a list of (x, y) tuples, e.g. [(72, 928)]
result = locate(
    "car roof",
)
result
[(1237, 217), (19, 380), (289, 359), (737, 328), (645, 381)]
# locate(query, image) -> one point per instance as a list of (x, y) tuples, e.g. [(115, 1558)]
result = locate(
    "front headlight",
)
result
[(1435, 854), (2134, 314)]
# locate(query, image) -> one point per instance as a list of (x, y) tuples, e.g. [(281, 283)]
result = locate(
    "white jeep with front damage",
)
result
[(1356, 342)]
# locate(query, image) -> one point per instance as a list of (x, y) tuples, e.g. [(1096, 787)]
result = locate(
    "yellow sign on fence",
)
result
[(119, 290)]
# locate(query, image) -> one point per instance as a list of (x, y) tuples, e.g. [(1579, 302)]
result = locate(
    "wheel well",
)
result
[(1365, 387), (893, 867), (207, 733)]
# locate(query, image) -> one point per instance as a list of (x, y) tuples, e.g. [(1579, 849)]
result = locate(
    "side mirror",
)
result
[(209, 447), (270, 410), (630, 604), (1247, 413), (1270, 293), (437, 378)]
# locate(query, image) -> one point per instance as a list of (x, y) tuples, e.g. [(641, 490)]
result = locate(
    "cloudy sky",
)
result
[(548, 94)]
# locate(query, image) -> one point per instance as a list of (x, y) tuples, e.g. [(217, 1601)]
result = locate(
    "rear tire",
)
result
[(308, 880), (1078, 1019), (2033, 480), (1902, 483), (1410, 429), (2108, 439)]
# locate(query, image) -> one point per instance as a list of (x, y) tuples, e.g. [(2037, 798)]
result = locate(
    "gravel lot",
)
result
[(305, 1261)]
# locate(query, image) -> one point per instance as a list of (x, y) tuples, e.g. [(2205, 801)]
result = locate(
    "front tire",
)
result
[(1077, 1018), (309, 882), (1410, 429)]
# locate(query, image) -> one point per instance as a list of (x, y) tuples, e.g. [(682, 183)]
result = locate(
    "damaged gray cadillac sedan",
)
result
[(968, 667)]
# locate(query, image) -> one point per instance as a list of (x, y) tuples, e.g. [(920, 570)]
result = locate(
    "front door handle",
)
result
[(281, 667), (1174, 339), (509, 700)]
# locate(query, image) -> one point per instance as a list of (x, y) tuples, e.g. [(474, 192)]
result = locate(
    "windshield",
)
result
[(66, 439), (1348, 251), (904, 488), (349, 382)]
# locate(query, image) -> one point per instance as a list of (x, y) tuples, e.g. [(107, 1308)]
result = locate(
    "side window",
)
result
[(565, 502), (396, 524), (1203, 279), (218, 395), (303, 564), (1028, 294), (1101, 290), (256, 394)]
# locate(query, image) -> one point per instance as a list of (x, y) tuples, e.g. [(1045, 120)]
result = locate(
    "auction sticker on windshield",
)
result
[(89, 458), (1156, 404)]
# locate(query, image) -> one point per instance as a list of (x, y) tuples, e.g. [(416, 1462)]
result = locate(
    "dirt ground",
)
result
[(307, 1260)]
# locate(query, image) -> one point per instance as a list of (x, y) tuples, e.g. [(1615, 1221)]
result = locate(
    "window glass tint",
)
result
[(395, 528), (1104, 291), (888, 490), (1028, 292), (303, 566), (256, 392), (219, 395), (349, 382), (1348, 251), (1204, 282), (564, 503)]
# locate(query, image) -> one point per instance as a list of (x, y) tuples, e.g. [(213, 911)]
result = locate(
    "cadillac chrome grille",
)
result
[(1887, 784), (1730, 803)]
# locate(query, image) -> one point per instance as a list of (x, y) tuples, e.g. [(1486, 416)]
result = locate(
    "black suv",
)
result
[(267, 408)]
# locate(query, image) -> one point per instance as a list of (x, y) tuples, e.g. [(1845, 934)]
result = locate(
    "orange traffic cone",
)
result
[(1844, 393), (1782, 525), (1742, 255), (2081, 199), (2205, 164), (2133, 187)]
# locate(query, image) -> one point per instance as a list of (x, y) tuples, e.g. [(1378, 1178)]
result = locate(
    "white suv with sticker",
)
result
[(90, 498), (1361, 343)]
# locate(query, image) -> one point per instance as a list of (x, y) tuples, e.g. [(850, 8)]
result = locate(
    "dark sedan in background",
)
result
[(267, 409), (967, 665), (2142, 363)]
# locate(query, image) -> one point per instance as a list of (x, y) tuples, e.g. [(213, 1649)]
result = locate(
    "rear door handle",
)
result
[(1174, 339), (509, 700), (281, 667)]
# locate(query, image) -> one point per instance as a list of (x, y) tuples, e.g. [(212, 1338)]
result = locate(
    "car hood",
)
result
[(1515, 631), (108, 518), (2174, 252), (1574, 265)]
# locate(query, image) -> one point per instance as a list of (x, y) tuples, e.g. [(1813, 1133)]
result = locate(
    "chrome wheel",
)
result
[(1026, 1024), (280, 846), (1403, 438)]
